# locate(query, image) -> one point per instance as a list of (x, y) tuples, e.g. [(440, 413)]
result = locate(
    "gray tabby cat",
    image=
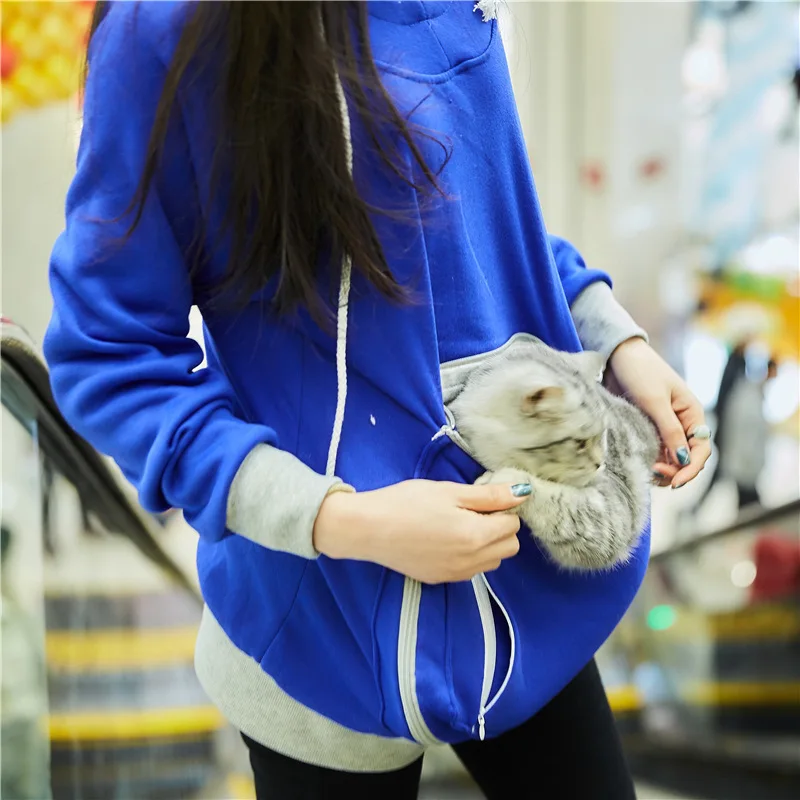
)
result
[(535, 415)]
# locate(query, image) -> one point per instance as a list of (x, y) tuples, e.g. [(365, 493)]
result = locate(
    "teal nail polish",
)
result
[(521, 489), (683, 456), (678, 485), (659, 476)]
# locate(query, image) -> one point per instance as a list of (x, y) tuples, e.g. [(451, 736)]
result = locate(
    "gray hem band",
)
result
[(602, 323), (252, 702)]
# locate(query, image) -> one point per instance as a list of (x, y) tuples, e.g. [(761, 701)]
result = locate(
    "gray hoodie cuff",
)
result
[(602, 323), (274, 500)]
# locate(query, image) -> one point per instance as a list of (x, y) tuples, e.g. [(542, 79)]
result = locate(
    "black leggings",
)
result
[(570, 750)]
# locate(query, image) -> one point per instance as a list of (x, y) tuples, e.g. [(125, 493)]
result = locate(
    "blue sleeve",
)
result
[(574, 274), (122, 368)]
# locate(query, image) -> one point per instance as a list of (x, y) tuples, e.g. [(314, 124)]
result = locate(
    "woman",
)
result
[(344, 191)]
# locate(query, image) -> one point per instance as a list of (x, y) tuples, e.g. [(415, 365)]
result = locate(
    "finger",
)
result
[(492, 497), (690, 414), (663, 473), (493, 561), (494, 529), (700, 454), (671, 431), (504, 547)]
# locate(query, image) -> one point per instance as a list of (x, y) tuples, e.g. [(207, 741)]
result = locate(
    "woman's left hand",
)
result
[(636, 372)]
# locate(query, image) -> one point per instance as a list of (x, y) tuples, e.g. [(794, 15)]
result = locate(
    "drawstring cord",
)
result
[(343, 309)]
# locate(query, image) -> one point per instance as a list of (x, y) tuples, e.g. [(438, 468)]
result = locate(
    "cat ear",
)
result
[(589, 364), (534, 398)]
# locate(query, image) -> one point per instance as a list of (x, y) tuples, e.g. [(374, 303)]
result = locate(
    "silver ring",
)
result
[(701, 432)]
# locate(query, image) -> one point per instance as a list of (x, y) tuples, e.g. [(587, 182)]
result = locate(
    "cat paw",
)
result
[(506, 476), (484, 479), (580, 555), (510, 475)]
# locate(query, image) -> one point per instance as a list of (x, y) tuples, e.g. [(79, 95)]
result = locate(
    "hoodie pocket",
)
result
[(452, 646), (456, 644)]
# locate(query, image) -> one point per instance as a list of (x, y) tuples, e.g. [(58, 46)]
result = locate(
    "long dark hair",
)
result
[(282, 163)]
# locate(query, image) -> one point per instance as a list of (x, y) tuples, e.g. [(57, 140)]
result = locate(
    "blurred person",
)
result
[(344, 191), (735, 370), (746, 432)]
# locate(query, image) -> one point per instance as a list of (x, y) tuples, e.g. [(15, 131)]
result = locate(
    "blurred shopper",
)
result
[(344, 191), (735, 370), (746, 433)]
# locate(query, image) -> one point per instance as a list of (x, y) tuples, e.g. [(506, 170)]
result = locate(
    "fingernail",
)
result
[(521, 489), (678, 485), (683, 456), (659, 476)]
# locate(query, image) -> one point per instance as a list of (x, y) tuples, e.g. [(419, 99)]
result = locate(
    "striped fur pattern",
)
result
[(533, 414)]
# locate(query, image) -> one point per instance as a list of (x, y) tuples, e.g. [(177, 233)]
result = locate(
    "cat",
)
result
[(535, 415)]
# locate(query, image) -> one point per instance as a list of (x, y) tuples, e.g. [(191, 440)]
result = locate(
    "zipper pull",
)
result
[(481, 726)]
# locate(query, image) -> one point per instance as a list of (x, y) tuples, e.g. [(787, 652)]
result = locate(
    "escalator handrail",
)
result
[(747, 519), (22, 365)]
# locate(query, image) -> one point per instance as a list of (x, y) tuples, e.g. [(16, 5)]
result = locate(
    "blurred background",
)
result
[(664, 140)]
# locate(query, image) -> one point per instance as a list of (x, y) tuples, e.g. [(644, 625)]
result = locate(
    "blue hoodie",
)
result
[(359, 646)]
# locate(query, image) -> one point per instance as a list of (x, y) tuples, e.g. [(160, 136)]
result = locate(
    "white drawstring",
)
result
[(342, 311)]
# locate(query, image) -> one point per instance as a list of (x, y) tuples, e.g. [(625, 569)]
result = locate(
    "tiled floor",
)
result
[(647, 792), (240, 787), (440, 792)]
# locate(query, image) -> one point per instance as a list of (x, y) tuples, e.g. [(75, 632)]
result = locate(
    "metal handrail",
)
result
[(746, 519), (25, 379)]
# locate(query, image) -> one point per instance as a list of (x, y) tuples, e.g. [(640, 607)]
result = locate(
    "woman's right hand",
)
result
[(433, 531)]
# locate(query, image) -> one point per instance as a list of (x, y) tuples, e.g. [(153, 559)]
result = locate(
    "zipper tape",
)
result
[(407, 663)]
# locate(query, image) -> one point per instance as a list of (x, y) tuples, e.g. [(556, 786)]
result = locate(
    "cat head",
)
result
[(540, 411)]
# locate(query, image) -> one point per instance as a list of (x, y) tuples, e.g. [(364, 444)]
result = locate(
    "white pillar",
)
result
[(599, 87)]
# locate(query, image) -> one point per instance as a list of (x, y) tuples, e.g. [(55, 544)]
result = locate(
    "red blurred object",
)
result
[(651, 167), (777, 561), (593, 175), (8, 60)]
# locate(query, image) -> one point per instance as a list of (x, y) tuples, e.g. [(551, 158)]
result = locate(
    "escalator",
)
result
[(99, 695), (709, 658)]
